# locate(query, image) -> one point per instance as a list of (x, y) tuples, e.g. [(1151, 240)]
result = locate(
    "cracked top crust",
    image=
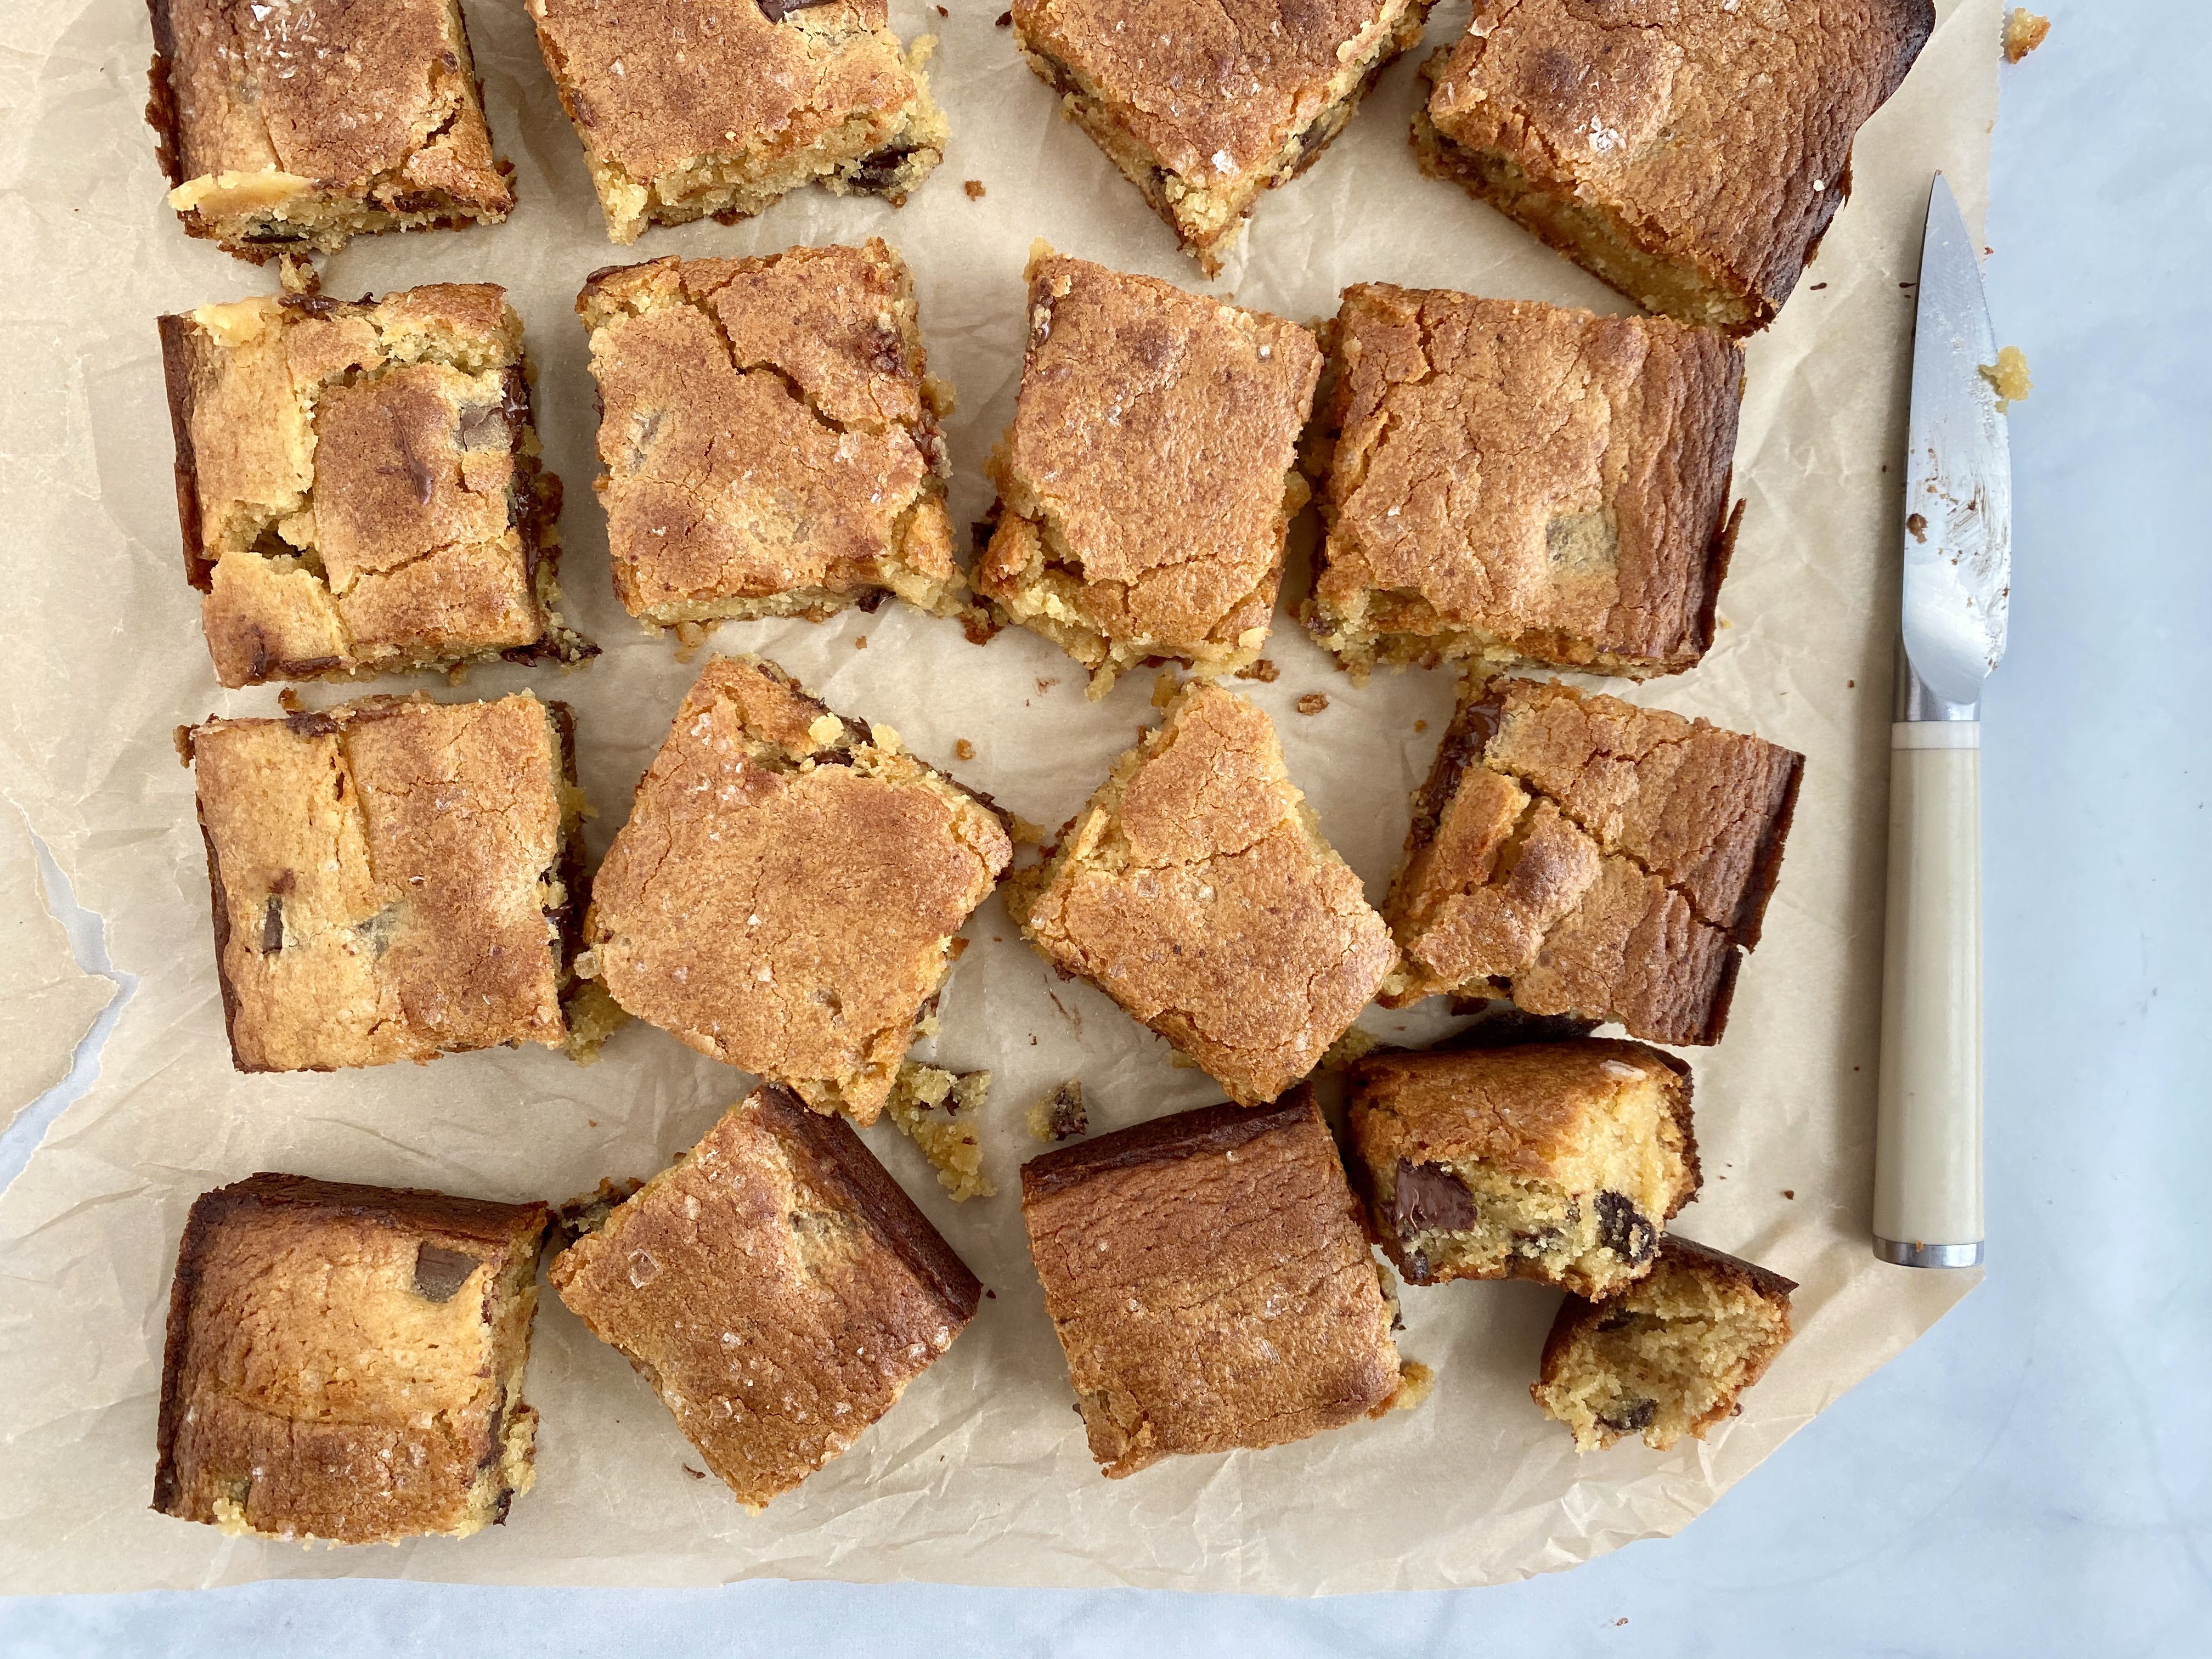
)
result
[(1514, 480), (766, 429), (1214, 91), (1605, 860), (654, 87), (785, 893), (370, 99), (1717, 132), (345, 1363), (1210, 1283), (1147, 482), (358, 484), (388, 878), (775, 1286), (1196, 890)]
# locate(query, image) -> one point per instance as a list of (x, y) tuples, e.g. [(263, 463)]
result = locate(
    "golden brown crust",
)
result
[(1210, 1284), (777, 1289), (1204, 106), (358, 485), (785, 894), (1691, 153), (293, 125), (769, 441), (1516, 482), (721, 110), (344, 1362), (1146, 484), (1195, 891), (388, 878), (1601, 860)]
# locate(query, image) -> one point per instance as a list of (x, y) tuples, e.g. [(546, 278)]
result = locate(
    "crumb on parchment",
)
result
[(2023, 32), (2009, 374)]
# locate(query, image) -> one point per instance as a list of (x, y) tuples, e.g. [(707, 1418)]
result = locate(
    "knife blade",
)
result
[(1957, 585)]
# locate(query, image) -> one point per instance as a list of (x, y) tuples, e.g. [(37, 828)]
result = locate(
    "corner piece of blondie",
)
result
[(290, 125), (1203, 106), (769, 433), (786, 894), (1690, 153), (345, 1363), (359, 488), (1591, 858), (690, 110), (391, 878), (1146, 486), (775, 1285), (1516, 483)]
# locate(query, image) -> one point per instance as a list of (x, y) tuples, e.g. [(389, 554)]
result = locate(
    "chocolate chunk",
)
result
[(886, 351), (777, 11), (272, 926), (1508, 1028), (439, 1272), (306, 723), (1624, 1229), (1629, 1416), (1429, 1198), (1416, 1269), (879, 170), (486, 425), (1061, 1114)]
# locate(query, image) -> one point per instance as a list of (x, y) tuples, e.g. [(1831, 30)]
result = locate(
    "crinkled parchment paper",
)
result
[(47, 1003), (981, 1474)]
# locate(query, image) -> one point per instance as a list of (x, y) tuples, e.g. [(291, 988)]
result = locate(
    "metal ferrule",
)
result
[(1917, 701)]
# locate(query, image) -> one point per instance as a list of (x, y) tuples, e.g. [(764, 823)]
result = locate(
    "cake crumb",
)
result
[(1416, 1382), (1047, 684), (934, 1109), (295, 275), (1420, 726), (594, 1016), (861, 642), (975, 189), (1164, 688), (696, 1474), (963, 750), (1006, 20), (1312, 703), (2009, 374), (941, 12), (1354, 1045), (2023, 32), (1061, 1114), (690, 636), (1790, 1192), (1024, 833), (1262, 669)]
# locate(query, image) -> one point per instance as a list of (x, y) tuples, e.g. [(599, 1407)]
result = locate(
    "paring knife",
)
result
[(1958, 576)]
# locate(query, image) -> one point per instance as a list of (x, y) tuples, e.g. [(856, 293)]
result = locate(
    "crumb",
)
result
[(2009, 374), (963, 750), (457, 674), (1060, 1115), (1046, 685), (1164, 688), (1850, 685), (1618, 1623), (861, 643), (288, 701), (993, 1294), (296, 276), (1420, 726), (1917, 523), (1816, 288), (696, 1474), (594, 1016), (1354, 1044), (1790, 1192), (934, 1109), (1006, 20), (975, 189), (2023, 32), (1262, 670), (1024, 833), (690, 636), (941, 12), (1313, 702)]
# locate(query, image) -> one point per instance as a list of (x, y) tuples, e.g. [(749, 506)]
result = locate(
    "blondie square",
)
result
[(770, 435), (775, 1287), (391, 878), (1149, 479), (1514, 483), (1203, 106), (786, 894), (1196, 892), (1691, 153), (1591, 858), (1210, 1284), (1671, 1355), (359, 488), (289, 125), (1561, 1162), (688, 108), (345, 1363)]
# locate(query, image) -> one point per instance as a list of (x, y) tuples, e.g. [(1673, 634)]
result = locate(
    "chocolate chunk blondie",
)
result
[(1211, 1285), (359, 488), (1690, 154), (393, 878), (1147, 483), (290, 125), (1203, 106), (770, 435), (786, 894), (693, 108), (1591, 858), (1516, 483), (775, 1287), (345, 1363), (1195, 891), (1561, 1162), (1671, 1355)]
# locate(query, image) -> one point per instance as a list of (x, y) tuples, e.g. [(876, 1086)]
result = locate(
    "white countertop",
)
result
[(2035, 1475)]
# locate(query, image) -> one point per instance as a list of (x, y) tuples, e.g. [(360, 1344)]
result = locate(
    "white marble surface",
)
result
[(2035, 1476)]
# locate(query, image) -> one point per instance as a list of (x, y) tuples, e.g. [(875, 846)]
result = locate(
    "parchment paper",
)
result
[(981, 1474), (47, 1003)]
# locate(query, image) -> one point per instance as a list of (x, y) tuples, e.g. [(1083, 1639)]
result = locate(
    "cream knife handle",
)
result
[(1928, 1146)]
